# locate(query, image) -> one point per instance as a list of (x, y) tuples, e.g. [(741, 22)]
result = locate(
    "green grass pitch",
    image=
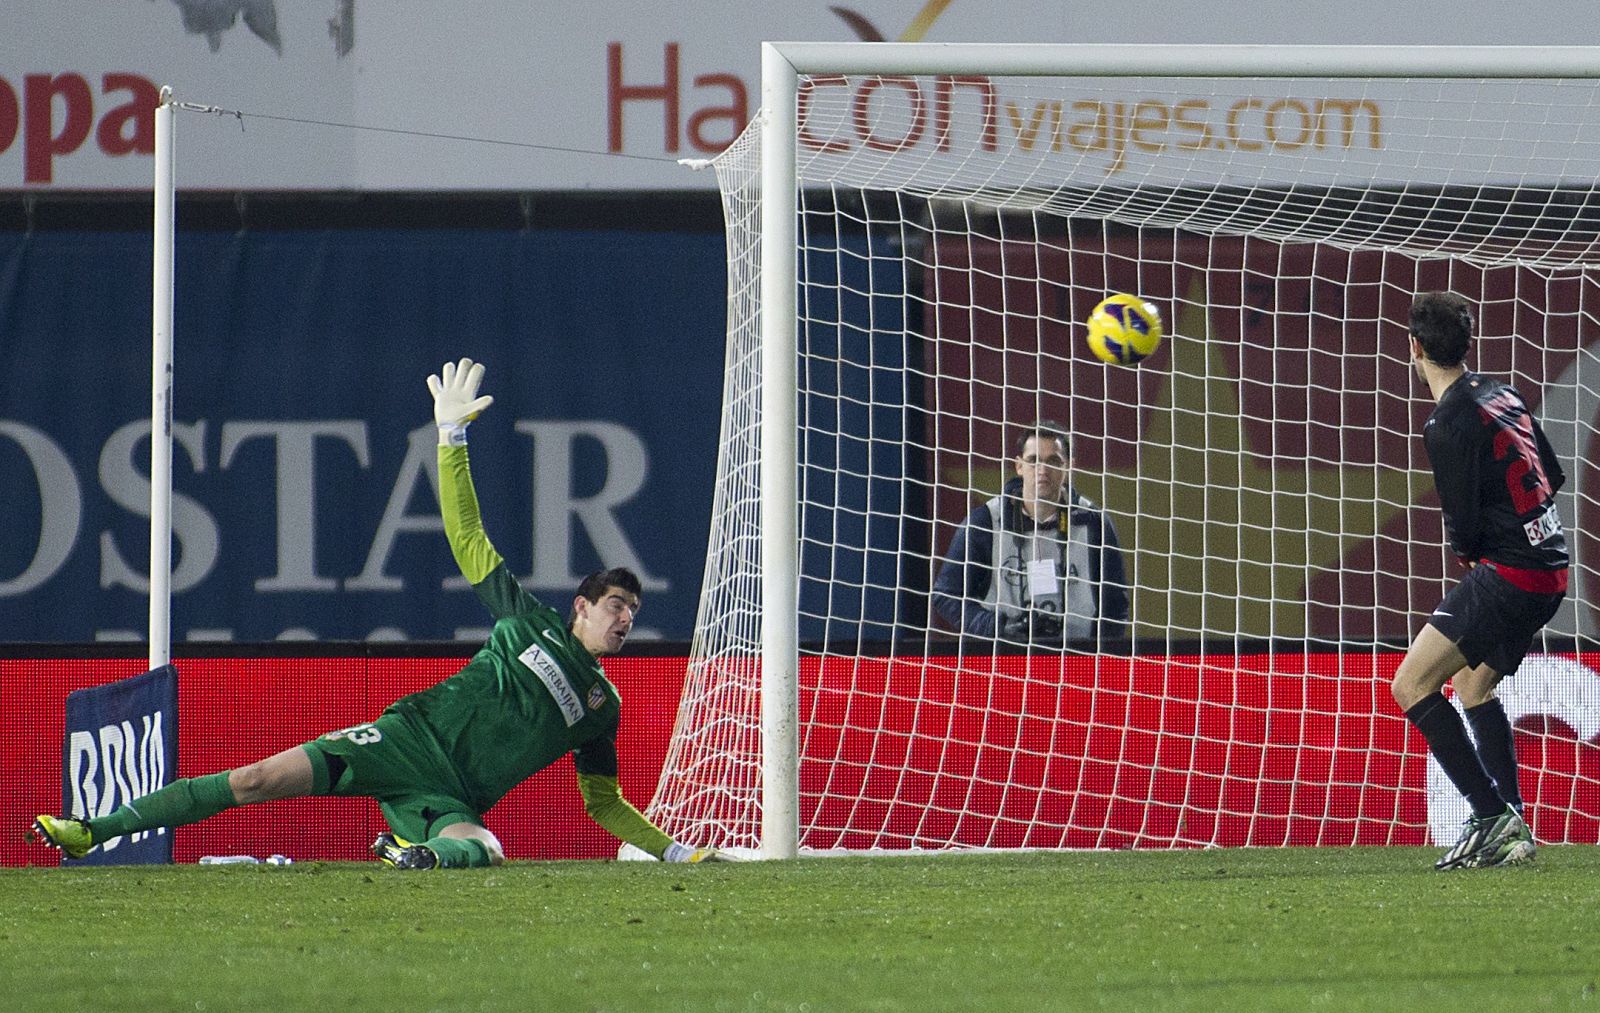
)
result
[(1294, 928)]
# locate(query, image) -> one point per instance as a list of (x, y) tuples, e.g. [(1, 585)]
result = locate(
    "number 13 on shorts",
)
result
[(361, 735)]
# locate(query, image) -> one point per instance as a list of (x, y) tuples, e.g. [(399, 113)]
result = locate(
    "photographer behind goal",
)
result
[(1040, 563)]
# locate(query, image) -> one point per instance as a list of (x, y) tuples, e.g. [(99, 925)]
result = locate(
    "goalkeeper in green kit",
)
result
[(437, 760)]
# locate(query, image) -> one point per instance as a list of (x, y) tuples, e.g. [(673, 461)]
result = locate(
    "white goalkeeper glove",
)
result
[(456, 401), (683, 853)]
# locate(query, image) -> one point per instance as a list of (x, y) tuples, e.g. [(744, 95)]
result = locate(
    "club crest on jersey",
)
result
[(597, 698)]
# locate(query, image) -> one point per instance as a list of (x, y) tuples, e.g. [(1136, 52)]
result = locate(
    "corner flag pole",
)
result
[(161, 393)]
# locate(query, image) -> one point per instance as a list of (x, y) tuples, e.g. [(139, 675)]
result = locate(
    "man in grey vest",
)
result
[(1039, 563)]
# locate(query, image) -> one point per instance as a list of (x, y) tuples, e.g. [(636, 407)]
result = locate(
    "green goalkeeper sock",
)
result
[(186, 800), (458, 852)]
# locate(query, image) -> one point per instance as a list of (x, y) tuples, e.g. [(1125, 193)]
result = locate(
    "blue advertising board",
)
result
[(303, 460), (121, 744), (857, 400)]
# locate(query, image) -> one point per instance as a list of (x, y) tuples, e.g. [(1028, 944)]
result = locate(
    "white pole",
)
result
[(161, 394), (780, 614)]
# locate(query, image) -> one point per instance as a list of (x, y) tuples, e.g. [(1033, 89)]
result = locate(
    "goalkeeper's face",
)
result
[(603, 625)]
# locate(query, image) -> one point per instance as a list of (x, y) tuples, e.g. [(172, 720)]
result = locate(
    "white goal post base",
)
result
[(629, 853)]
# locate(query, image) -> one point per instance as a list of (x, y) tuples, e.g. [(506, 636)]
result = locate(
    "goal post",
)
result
[(915, 233), (780, 635)]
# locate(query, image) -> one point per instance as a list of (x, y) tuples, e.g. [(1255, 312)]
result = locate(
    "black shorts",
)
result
[(1491, 620)]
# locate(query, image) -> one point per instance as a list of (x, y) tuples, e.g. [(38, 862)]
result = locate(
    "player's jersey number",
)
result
[(361, 735), (1525, 477)]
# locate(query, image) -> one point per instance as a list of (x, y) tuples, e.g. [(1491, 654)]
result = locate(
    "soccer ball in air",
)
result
[(1124, 329)]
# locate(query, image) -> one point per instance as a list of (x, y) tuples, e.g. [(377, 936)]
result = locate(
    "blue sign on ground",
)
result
[(121, 744)]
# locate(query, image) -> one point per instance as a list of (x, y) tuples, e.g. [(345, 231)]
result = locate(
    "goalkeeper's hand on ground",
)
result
[(684, 853), (456, 401)]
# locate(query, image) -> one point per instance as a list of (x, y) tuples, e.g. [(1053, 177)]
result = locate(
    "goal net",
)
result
[(915, 237)]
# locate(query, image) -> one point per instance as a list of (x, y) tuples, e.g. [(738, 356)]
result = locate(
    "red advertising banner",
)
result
[(1043, 751), (232, 711), (1112, 752), (1053, 751)]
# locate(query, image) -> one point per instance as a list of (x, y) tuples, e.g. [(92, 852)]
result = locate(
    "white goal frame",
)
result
[(782, 64)]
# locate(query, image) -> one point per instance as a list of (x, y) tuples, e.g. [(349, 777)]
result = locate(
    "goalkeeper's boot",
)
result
[(1488, 841), (68, 833), (399, 853)]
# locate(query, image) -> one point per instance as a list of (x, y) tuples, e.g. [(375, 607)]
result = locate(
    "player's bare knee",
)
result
[(251, 783), (282, 775), (482, 835), (1476, 686), (1403, 688), (491, 845), (1473, 692)]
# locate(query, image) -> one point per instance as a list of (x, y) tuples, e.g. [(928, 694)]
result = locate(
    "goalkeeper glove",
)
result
[(685, 854), (456, 401)]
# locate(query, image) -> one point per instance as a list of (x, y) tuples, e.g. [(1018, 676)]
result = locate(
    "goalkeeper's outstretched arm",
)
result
[(603, 801), (596, 762), (455, 404)]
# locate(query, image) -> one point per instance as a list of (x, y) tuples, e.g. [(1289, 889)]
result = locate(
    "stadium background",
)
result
[(323, 272)]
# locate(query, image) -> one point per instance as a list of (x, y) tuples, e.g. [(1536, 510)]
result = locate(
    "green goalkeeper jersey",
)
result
[(531, 694)]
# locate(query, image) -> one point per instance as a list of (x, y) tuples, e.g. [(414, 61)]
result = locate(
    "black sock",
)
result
[(1492, 729), (1447, 738)]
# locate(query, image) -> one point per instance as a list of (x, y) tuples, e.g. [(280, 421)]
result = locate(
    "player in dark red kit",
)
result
[(1497, 479)]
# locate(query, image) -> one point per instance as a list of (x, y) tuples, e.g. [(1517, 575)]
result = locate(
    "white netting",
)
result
[(1264, 469)]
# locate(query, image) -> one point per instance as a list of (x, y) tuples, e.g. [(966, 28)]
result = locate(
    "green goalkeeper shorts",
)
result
[(390, 761)]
